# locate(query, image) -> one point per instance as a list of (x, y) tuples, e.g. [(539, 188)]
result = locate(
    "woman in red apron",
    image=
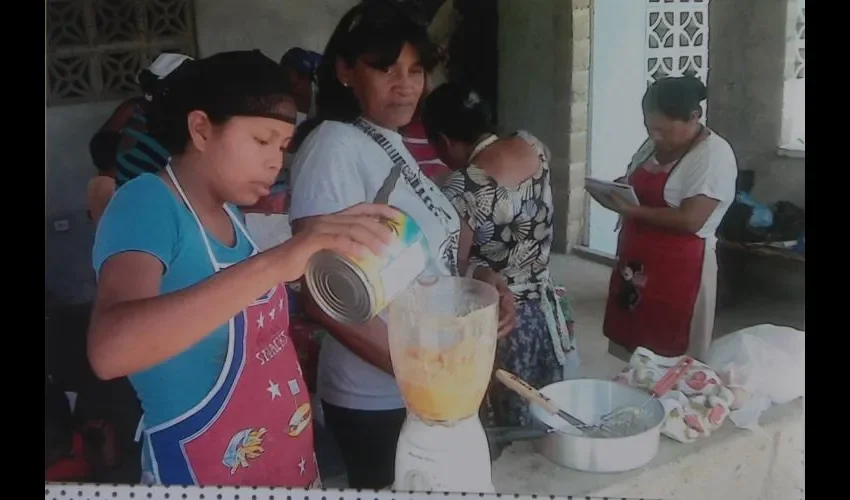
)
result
[(663, 287), (189, 308)]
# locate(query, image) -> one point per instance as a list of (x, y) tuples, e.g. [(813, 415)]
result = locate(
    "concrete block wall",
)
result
[(579, 121), (269, 25)]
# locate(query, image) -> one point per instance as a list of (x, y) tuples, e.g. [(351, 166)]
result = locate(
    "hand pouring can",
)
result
[(352, 289)]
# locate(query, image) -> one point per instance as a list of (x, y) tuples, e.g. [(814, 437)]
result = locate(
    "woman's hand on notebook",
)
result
[(603, 199)]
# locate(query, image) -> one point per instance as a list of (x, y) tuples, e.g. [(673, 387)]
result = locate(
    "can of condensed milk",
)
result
[(352, 289)]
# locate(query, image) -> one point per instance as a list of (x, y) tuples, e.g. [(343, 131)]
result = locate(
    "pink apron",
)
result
[(254, 428)]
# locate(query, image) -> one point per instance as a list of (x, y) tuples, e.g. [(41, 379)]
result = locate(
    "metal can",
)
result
[(353, 290)]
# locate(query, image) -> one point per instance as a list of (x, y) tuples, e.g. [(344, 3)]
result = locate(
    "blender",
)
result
[(442, 338)]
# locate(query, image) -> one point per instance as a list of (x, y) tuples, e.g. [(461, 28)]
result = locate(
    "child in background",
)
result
[(138, 151), (122, 149), (101, 187)]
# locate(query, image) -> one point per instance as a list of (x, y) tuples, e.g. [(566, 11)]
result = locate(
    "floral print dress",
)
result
[(513, 233)]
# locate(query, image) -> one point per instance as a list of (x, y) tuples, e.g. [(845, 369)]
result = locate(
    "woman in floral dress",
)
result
[(502, 192)]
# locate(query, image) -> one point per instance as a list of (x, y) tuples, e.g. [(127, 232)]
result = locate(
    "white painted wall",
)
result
[(794, 92), (617, 84), (272, 26)]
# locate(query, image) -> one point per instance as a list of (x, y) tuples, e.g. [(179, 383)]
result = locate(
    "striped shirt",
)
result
[(138, 151), (416, 141)]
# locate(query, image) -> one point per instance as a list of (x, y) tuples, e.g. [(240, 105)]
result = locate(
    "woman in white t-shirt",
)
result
[(369, 83), (664, 285)]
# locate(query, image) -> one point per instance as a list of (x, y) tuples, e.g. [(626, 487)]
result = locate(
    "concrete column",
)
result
[(748, 48), (578, 120), (544, 58)]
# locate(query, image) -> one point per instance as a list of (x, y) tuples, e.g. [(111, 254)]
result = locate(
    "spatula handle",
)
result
[(672, 376), (527, 392)]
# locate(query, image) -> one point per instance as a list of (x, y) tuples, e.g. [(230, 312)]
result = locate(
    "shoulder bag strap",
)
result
[(383, 195)]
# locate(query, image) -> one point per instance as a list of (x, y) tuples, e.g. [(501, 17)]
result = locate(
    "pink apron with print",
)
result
[(254, 428)]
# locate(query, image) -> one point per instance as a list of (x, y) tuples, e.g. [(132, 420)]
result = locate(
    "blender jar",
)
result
[(442, 336)]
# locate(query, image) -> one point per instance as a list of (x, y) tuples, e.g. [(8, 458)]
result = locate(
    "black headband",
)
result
[(238, 83)]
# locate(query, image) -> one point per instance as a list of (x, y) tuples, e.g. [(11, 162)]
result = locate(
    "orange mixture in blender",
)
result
[(442, 384)]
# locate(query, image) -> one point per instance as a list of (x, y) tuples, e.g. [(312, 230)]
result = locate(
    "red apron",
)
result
[(254, 428), (655, 282)]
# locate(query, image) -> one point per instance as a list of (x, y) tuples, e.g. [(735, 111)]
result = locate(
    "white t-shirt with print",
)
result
[(336, 167), (711, 170)]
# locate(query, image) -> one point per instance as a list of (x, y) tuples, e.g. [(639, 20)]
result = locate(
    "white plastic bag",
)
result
[(763, 365)]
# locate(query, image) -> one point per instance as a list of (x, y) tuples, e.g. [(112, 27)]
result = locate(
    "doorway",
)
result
[(617, 83), (634, 42)]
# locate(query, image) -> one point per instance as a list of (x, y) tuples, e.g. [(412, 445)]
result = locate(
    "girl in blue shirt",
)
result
[(188, 307)]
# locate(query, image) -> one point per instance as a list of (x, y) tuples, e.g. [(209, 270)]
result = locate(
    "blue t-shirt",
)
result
[(144, 215)]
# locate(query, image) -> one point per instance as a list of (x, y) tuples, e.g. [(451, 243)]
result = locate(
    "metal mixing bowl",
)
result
[(588, 400)]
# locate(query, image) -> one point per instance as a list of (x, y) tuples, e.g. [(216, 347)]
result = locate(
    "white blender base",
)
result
[(442, 458)]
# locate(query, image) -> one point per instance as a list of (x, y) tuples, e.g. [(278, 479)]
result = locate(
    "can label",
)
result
[(403, 261)]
